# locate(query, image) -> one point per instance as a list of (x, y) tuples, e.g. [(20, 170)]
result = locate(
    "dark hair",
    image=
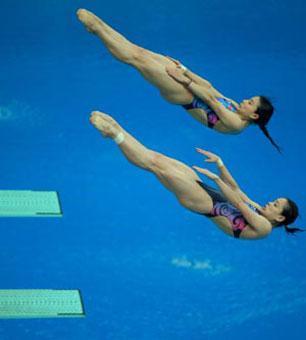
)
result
[(290, 212), (265, 111)]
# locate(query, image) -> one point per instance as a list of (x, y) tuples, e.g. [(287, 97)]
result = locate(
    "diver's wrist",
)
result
[(219, 163)]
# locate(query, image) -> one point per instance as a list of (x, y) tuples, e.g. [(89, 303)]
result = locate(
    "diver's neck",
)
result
[(242, 116), (244, 119)]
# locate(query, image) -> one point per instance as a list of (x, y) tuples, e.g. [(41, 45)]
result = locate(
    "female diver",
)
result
[(180, 86), (229, 208)]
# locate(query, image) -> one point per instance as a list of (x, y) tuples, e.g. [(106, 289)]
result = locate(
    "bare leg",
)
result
[(174, 175), (151, 65)]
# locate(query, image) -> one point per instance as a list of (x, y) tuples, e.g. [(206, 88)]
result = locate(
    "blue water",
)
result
[(147, 268)]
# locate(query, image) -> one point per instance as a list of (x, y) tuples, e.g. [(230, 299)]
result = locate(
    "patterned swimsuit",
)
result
[(212, 117), (221, 207)]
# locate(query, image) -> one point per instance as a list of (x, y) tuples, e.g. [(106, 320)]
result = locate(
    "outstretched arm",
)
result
[(206, 93), (200, 81), (260, 224), (226, 176), (197, 79), (203, 82), (224, 172)]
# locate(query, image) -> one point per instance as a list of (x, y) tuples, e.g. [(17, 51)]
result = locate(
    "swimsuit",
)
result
[(222, 207), (212, 117)]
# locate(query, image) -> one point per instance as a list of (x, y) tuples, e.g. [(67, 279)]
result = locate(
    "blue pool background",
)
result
[(148, 269)]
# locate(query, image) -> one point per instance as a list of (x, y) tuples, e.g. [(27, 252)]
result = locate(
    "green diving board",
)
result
[(27, 203), (40, 303)]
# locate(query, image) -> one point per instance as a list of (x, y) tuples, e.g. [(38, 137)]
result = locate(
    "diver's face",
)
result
[(273, 210), (248, 107)]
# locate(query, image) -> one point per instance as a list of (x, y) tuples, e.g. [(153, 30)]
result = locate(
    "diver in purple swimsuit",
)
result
[(227, 206), (219, 112), (180, 86), (212, 117)]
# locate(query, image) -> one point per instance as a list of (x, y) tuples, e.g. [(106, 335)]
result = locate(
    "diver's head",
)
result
[(281, 212), (258, 110), (248, 108)]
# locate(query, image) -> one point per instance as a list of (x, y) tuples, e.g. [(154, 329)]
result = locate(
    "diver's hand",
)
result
[(177, 74), (211, 157), (207, 173), (176, 62)]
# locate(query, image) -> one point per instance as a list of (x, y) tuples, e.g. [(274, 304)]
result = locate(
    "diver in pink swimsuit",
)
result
[(228, 207), (222, 207)]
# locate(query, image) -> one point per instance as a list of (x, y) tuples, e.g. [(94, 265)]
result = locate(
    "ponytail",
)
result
[(265, 111), (266, 133), (292, 231), (290, 212)]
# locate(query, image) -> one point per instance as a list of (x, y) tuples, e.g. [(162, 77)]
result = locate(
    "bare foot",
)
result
[(91, 21), (105, 124)]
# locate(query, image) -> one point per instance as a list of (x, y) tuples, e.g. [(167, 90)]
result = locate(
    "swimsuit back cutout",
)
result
[(221, 207), (212, 117)]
